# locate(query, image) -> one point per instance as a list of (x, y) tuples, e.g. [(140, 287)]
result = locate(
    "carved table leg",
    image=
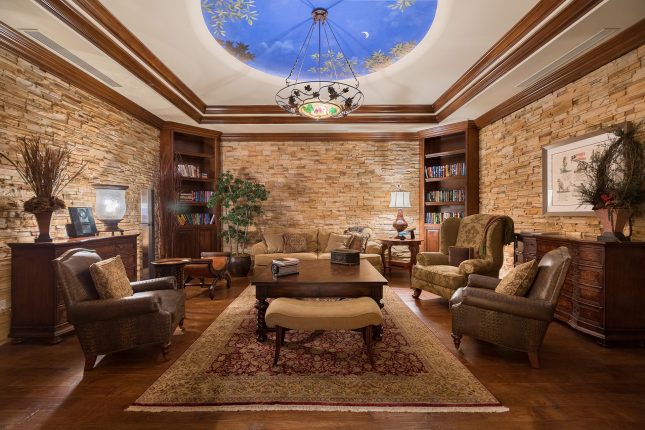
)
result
[(261, 331)]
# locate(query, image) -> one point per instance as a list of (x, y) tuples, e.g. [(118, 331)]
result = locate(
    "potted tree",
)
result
[(615, 185), (45, 169), (241, 203)]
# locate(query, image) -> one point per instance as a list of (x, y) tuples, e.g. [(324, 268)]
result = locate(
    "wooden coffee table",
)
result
[(318, 278)]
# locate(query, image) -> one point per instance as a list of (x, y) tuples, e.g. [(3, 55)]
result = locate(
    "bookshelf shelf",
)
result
[(190, 179), (446, 153), (452, 148), (194, 154)]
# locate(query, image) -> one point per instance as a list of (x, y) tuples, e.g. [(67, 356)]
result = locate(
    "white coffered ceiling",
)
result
[(463, 31)]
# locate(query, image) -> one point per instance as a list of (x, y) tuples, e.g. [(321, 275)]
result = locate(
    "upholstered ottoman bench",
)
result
[(351, 314)]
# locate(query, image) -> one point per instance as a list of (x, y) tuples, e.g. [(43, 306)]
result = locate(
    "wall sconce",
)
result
[(110, 205)]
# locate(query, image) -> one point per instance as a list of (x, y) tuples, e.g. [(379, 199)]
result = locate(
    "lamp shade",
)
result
[(110, 202), (400, 199)]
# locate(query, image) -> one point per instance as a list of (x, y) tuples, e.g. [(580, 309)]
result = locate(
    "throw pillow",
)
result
[(110, 279), (295, 242), (457, 254), (275, 242), (519, 280), (358, 241), (337, 241)]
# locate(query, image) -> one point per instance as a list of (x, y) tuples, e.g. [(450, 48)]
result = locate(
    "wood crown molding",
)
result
[(317, 137), (532, 19), (564, 19), (624, 42), (275, 109), (22, 46), (190, 129), (296, 119), (75, 20), (446, 129), (103, 16)]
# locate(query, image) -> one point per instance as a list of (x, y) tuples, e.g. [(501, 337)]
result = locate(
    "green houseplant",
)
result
[(45, 169), (615, 182), (241, 203)]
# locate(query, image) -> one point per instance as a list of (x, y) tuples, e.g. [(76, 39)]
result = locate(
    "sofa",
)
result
[(317, 241)]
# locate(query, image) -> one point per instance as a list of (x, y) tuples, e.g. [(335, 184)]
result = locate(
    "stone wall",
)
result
[(329, 185), (510, 149), (120, 149)]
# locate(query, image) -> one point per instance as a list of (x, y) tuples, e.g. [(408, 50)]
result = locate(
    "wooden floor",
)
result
[(581, 385)]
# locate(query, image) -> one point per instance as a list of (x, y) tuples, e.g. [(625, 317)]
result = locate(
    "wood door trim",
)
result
[(31, 51), (102, 15), (75, 20), (624, 42), (318, 137), (563, 20), (529, 22)]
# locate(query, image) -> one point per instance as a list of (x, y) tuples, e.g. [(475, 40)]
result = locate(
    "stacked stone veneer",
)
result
[(329, 185), (119, 148), (511, 164)]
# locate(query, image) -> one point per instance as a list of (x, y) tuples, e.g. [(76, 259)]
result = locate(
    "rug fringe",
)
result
[(241, 408)]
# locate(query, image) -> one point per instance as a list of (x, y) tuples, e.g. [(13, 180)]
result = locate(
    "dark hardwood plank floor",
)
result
[(581, 385)]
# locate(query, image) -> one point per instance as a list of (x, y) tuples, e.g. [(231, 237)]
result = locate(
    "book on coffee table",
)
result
[(286, 261)]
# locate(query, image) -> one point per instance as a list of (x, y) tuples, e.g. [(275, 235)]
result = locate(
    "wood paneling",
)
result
[(570, 14), (76, 21), (614, 48), (317, 137), (529, 22), (31, 51)]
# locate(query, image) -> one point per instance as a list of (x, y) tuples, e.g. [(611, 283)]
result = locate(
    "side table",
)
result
[(170, 267), (388, 243)]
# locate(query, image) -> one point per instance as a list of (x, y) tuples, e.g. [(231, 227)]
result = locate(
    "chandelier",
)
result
[(320, 99)]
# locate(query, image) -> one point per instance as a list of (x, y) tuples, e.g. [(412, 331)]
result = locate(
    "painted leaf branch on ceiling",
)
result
[(401, 5), (223, 11), (333, 65)]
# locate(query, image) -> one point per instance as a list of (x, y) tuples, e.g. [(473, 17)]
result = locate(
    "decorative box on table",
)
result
[(346, 256)]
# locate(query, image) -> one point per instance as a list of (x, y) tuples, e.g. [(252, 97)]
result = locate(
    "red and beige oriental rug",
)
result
[(226, 369)]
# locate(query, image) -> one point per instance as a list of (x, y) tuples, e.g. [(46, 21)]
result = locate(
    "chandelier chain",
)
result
[(351, 69)]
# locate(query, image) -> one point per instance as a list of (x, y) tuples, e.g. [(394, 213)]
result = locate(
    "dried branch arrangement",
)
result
[(46, 169)]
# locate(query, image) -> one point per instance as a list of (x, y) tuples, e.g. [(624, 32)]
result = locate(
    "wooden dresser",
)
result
[(37, 308), (604, 292)]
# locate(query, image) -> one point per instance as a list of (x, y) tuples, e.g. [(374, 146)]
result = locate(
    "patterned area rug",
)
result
[(227, 369)]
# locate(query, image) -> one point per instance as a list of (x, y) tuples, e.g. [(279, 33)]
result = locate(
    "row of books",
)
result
[(457, 169), (190, 171), (446, 196), (195, 218), (285, 266), (195, 196), (439, 217)]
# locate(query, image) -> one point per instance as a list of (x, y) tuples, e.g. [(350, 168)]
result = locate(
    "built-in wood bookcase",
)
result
[(196, 156), (449, 176)]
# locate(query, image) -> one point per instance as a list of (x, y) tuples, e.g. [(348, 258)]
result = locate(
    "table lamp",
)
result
[(110, 205), (399, 200)]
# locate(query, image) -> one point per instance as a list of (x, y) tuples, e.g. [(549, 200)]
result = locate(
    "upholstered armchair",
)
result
[(485, 234), (149, 316), (516, 322)]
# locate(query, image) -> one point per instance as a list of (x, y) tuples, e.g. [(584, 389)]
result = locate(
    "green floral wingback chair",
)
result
[(484, 234)]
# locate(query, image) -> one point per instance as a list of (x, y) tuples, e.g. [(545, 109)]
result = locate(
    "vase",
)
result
[(44, 220), (239, 266), (613, 222)]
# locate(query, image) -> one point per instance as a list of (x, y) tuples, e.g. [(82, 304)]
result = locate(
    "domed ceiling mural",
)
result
[(268, 34)]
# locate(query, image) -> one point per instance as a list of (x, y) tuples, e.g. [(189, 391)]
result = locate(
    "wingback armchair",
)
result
[(516, 322), (485, 234), (149, 316)]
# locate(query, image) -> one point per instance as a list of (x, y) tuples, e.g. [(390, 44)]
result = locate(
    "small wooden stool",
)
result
[(351, 314), (212, 265)]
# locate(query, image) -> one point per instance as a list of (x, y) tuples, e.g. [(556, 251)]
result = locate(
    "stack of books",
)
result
[(285, 266)]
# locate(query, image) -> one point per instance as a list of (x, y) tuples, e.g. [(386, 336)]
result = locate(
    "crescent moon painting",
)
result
[(365, 34)]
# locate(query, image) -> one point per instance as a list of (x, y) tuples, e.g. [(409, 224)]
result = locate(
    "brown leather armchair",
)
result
[(149, 316), (514, 322)]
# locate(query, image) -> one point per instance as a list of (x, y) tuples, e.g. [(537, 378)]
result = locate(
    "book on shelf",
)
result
[(195, 196), (188, 171), (446, 196), (286, 261), (439, 217), (446, 170), (195, 218)]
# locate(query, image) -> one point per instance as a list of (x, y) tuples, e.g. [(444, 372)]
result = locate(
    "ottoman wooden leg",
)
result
[(279, 339), (368, 343)]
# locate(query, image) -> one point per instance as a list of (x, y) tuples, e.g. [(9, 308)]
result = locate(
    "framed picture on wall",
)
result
[(561, 175)]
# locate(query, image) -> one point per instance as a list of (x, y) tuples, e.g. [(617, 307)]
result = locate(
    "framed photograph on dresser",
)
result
[(561, 176)]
